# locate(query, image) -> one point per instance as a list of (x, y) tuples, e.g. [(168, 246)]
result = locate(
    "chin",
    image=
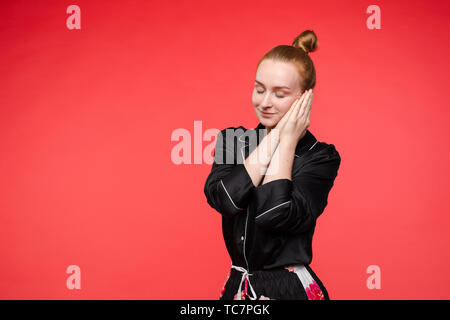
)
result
[(268, 123)]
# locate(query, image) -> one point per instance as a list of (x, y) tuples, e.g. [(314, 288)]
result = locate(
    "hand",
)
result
[(294, 123), (280, 125)]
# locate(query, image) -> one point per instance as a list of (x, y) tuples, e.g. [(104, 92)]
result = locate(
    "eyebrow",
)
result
[(278, 87)]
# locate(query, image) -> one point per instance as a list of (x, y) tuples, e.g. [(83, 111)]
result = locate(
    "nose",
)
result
[(266, 101)]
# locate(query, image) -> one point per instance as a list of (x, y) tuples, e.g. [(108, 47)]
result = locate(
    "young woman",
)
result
[(271, 183)]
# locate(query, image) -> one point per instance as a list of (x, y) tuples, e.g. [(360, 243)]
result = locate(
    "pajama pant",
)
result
[(295, 282)]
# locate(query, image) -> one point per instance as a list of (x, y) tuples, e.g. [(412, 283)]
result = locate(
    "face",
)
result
[(277, 85)]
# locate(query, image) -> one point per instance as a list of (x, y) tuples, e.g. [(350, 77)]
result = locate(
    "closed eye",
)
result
[(261, 92)]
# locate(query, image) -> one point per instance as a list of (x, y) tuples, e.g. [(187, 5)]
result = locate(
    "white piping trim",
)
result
[(272, 209), (308, 149), (313, 145), (245, 145), (245, 237), (239, 138), (229, 196), (243, 155)]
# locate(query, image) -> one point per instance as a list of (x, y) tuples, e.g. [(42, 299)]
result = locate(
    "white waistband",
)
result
[(300, 270)]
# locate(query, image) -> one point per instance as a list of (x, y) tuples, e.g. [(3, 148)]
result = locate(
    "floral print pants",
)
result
[(296, 282)]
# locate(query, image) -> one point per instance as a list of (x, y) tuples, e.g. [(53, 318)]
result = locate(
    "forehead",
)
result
[(276, 73)]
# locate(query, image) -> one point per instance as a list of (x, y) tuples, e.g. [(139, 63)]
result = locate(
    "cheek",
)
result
[(255, 99), (284, 107)]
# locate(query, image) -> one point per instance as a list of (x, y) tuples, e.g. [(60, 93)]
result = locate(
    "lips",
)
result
[(267, 114)]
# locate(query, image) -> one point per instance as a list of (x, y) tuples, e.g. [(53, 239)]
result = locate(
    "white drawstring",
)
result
[(245, 275)]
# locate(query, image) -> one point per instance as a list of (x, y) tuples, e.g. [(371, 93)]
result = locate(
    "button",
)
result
[(242, 238)]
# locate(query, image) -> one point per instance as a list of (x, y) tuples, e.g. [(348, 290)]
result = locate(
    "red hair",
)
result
[(297, 54)]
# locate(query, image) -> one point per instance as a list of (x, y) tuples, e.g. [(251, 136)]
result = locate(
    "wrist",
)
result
[(274, 136), (288, 144)]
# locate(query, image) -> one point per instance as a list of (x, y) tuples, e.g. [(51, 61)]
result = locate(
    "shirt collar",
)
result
[(307, 142)]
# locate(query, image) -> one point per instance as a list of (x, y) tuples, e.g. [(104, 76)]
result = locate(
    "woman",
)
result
[(271, 188)]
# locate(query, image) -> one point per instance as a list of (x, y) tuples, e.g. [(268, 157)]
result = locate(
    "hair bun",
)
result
[(307, 41)]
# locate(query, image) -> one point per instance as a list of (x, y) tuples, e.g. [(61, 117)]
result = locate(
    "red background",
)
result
[(86, 118)]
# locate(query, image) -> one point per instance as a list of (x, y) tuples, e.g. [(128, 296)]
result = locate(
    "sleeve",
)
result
[(228, 185), (293, 206)]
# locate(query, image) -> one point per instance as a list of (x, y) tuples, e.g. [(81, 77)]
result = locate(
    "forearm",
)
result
[(281, 163), (258, 161)]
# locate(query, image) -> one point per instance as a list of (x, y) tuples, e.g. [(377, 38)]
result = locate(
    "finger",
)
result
[(286, 116), (301, 110), (301, 101), (292, 108), (308, 107), (295, 108), (308, 113)]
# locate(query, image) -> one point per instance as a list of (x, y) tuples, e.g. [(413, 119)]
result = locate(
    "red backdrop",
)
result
[(86, 118)]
